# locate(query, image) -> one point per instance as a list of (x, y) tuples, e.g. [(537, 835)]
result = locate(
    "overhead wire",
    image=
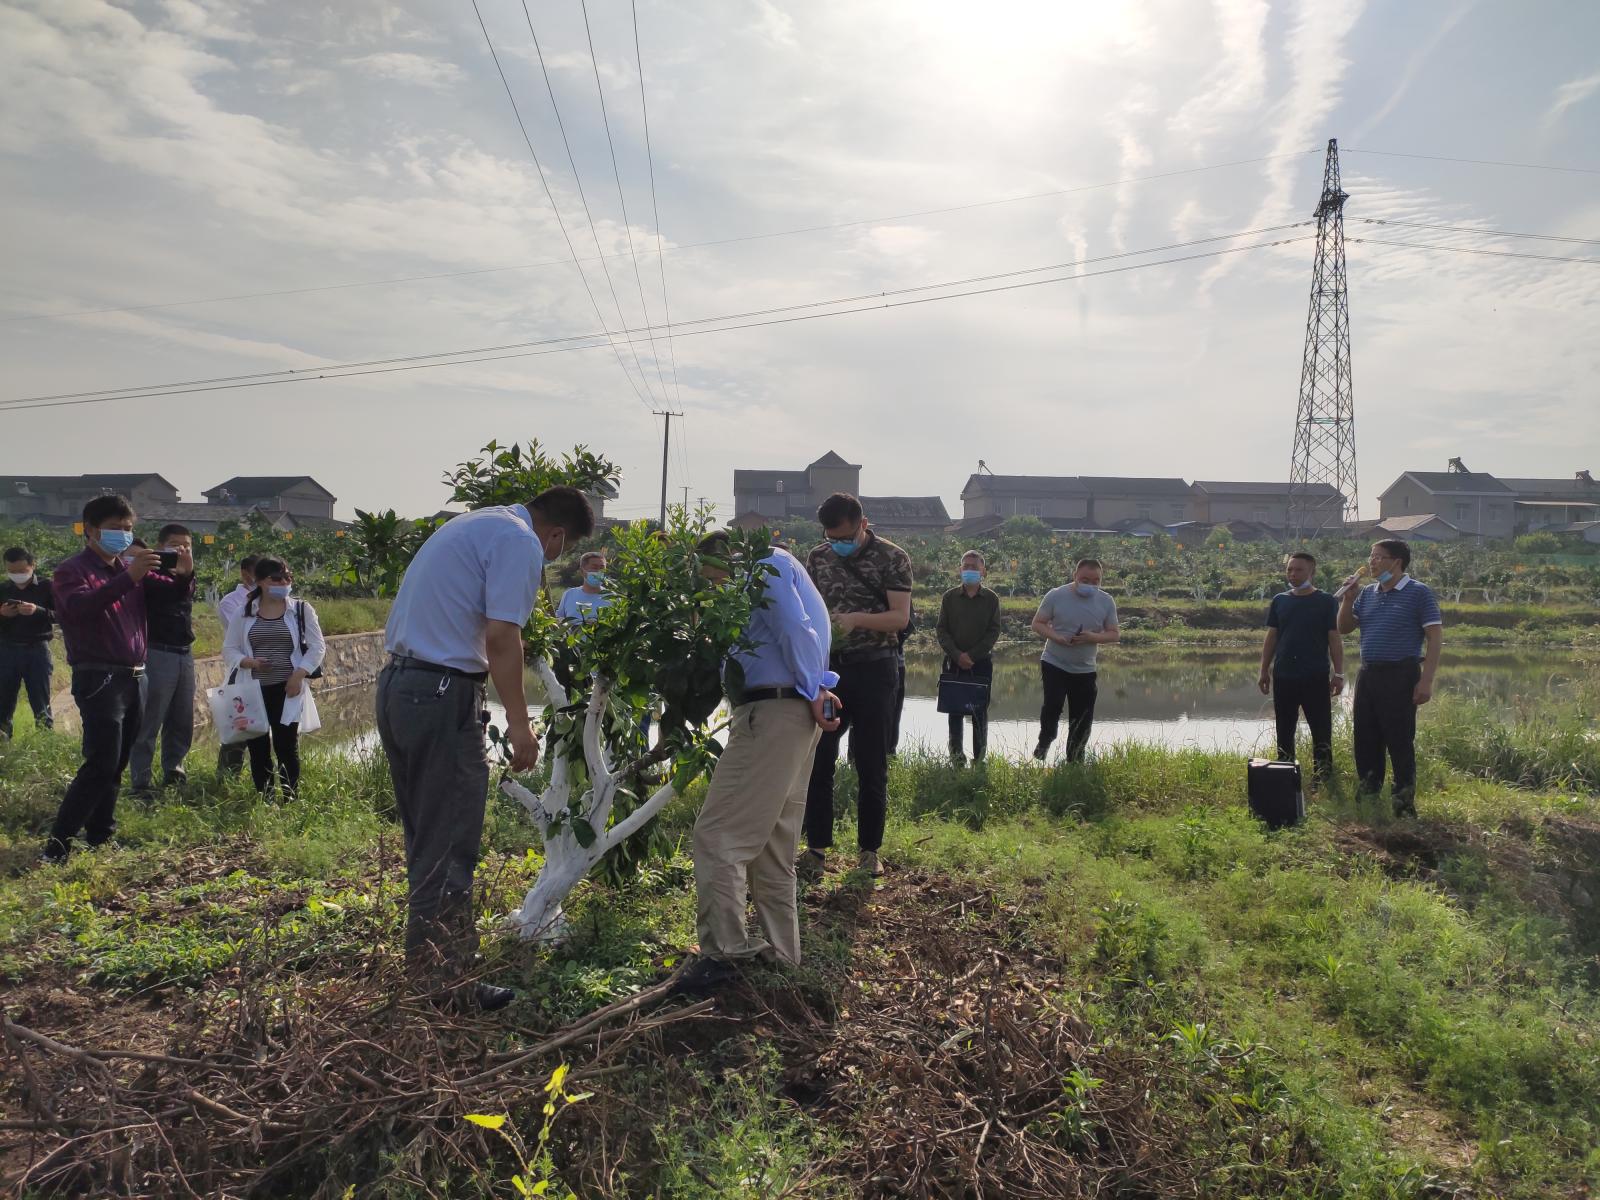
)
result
[(1361, 241), (554, 207), (655, 208), (728, 241), (622, 200), (446, 354), (440, 360), (582, 197), (1539, 237), (1480, 162)]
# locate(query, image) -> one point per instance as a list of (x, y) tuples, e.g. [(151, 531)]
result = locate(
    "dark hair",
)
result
[(104, 508), (567, 508), (172, 529), (1305, 554), (1090, 562), (591, 554), (18, 554), (265, 568), (248, 563), (837, 508), (1395, 548), (716, 544)]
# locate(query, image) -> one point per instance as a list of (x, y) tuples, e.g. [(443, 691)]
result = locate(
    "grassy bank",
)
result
[(1181, 1003)]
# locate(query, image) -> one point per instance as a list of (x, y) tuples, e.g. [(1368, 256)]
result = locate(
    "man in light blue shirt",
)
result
[(749, 827), (456, 623), (580, 605)]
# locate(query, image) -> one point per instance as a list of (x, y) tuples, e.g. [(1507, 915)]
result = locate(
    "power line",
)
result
[(441, 360), (1476, 250), (751, 237), (621, 199), (1539, 237), (271, 376), (1480, 162), (655, 209), (554, 207), (587, 215)]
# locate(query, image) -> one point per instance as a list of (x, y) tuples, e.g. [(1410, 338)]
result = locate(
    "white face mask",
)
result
[(21, 580)]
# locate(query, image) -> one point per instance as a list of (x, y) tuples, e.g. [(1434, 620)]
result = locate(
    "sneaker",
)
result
[(704, 977), (176, 779), (54, 851), (1404, 806), (870, 864), (811, 865)]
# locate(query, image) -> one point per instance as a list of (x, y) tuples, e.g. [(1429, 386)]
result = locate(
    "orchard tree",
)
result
[(666, 634), (510, 475)]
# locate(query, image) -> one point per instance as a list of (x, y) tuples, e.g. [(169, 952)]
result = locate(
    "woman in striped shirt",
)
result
[(280, 641)]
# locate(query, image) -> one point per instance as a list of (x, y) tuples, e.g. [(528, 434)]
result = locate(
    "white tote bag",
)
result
[(301, 708), (237, 709)]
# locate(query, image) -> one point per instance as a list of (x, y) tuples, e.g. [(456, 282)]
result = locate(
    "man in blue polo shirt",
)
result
[(456, 623), (1401, 633)]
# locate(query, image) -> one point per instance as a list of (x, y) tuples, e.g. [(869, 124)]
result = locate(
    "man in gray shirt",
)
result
[(1074, 621)]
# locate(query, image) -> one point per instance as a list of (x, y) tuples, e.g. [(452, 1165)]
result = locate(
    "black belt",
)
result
[(751, 695), (165, 649), (109, 668), (404, 662)]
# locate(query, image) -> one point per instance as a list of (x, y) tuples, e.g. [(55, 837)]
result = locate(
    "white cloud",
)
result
[(1569, 95), (405, 67)]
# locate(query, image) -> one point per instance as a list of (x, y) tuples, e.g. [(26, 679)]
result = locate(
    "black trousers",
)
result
[(284, 741), (432, 730), (1291, 697), (982, 672), (866, 694), (1075, 692), (899, 704), (111, 706), (1385, 723)]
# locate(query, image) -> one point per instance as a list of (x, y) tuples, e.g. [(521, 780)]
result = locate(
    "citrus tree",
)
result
[(666, 634)]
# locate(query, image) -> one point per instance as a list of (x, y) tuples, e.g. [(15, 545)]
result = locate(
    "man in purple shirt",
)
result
[(100, 608)]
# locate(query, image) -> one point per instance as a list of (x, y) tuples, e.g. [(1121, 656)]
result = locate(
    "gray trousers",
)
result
[(168, 713), (431, 727)]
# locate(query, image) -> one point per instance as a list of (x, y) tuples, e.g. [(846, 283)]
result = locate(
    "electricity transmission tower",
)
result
[(1322, 475)]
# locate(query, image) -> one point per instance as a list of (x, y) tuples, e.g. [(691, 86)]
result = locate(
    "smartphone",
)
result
[(829, 709), (169, 560)]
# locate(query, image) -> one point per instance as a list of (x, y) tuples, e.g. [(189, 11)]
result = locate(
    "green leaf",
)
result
[(485, 1120), (557, 1078), (521, 1186), (583, 832)]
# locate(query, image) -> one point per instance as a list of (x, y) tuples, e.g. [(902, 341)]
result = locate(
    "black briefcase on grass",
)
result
[(1275, 792), (959, 693)]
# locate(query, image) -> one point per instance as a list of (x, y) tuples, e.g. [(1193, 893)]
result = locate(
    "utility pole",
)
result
[(1322, 470), (666, 440), (686, 497)]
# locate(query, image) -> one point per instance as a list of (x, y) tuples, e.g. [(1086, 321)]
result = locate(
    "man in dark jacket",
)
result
[(969, 626), (169, 666), (26, 616)]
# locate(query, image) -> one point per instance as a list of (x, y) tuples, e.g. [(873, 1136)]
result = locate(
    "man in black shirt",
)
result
[(1302, 638), (169, 667), (26, 614)]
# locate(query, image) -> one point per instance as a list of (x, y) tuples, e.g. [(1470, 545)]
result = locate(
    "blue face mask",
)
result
[(971, 577), (280, 590), (843, 549), (1085, 589), (115, 541), (595, 579), (1385, 577)]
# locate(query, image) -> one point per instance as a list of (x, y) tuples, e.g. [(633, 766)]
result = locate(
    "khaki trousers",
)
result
[(749, 829)]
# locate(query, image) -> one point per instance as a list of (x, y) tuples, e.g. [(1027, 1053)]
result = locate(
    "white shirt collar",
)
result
[(1404, 579)]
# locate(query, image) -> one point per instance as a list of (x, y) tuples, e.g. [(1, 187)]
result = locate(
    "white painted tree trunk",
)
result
[(566, 862)]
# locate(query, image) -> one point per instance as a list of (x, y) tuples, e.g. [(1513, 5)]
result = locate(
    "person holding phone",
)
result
[(26, 620), (100, 606), (1074, 620), (1402, 632), (279, 640), (748, 829), (169, 665)]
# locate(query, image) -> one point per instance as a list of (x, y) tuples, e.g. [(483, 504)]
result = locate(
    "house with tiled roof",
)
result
[(1218, 502), (59, 499), (299, 495), (1474, 503)]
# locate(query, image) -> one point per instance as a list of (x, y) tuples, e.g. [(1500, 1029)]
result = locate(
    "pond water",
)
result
[(1176, 698)]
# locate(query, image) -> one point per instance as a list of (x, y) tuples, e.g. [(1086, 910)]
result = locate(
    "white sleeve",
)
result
[(236, 643), (316, 646)]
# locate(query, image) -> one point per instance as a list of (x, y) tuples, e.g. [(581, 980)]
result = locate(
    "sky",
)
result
[(163, 164)]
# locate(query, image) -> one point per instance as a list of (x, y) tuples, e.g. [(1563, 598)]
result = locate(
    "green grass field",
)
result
[(1355, 1008)]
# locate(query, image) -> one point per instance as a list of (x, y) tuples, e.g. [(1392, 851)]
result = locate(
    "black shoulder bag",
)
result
[(911, 619), (300, 636)]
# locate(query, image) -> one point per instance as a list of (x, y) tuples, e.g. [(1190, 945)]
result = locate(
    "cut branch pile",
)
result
[(274, 1084)]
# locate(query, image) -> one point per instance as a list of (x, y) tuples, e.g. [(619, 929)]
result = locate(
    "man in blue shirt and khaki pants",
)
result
[(1401, 633), (749, 827)]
